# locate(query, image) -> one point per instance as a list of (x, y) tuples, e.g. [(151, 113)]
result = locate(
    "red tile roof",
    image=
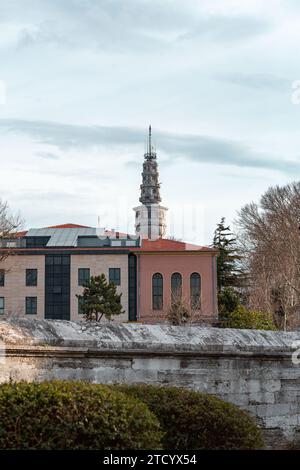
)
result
[(20, 234), (69, 226), (164, 244)]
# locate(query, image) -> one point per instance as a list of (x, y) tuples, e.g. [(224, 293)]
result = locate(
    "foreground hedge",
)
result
[(193, 420), (74, 415)]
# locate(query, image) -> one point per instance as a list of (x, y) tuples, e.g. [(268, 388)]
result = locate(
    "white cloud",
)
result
[(85, 78)]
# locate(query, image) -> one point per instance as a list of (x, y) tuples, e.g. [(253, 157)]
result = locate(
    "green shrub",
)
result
[(228, 300), (241, 317), (74, 415), (195, 420)]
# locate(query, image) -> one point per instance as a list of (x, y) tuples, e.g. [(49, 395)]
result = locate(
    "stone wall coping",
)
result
[(126, 353), (41, 336)]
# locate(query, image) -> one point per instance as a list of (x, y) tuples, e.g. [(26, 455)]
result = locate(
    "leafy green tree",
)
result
[(227, 263), (100, 298), (243, 318)]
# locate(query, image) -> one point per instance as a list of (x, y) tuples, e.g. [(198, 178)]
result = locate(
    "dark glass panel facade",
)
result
[(132, 288), (57, 287)]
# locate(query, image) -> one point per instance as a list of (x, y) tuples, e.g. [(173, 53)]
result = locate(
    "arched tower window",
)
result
[(176, 286), (157, 291), (195, 291)]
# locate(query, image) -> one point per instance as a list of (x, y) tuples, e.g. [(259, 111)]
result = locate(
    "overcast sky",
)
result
[(84, 78)]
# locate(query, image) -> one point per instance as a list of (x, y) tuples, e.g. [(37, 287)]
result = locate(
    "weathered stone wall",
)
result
[(252, 369)]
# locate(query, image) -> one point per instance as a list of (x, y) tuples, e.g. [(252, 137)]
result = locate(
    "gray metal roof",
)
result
[(61, 237), (67, 237)]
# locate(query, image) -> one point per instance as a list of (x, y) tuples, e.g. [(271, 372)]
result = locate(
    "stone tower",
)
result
[(150, 217)]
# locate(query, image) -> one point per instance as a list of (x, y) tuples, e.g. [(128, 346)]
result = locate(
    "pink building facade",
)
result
[(166, 264)]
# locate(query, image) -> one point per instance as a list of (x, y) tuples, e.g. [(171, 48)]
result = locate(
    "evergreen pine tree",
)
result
[(100, 298), (228, 272), (227, 262)]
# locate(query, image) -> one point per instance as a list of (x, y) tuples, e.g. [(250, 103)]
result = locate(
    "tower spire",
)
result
[(150, 217), (150, 153), (149, 141), (150, 187)]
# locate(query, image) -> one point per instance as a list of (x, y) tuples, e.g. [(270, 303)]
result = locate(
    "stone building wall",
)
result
[(15, 290), (99, 265), (252, 369)]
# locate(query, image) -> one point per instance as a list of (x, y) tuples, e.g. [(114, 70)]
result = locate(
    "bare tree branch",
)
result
[(9, 225), (269, 238)]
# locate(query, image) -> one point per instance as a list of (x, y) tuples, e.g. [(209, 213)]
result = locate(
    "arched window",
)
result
[(157, 291), (195, 290), (176, 286)]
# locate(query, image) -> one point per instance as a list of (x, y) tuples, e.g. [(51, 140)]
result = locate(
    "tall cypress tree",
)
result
[(227, 262)]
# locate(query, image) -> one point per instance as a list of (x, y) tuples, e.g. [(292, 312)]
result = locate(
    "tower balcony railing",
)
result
[(150, 155)]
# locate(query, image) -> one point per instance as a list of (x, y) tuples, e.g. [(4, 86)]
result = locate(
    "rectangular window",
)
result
[(83, 276), (115, 276), (116, 243), (36, 242), (31, 277), (11, 244), (2, 278), (31, 305), (1, 305)]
